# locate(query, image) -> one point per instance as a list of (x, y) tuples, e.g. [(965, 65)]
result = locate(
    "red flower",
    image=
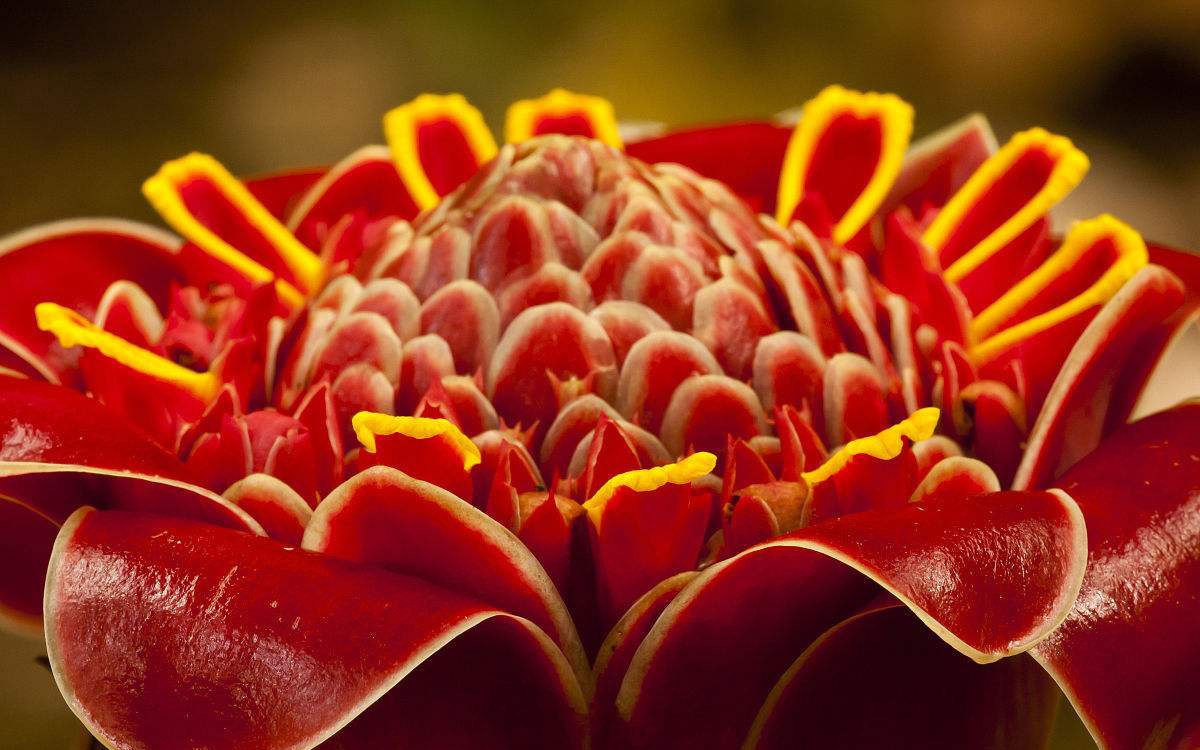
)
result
[(562, 444)]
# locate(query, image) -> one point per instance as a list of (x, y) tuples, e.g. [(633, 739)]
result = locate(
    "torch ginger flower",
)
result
[(738, 436)]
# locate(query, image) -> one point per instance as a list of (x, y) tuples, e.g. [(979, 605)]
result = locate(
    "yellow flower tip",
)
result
[(1131, 255), (885, 445), (1070, 166), (368, 425), (72, 329), (402, 126), (163, 191), (520, 122), (895, 117), (646, 480)]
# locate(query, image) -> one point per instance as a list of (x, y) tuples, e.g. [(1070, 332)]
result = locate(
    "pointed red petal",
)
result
[(1065, 429)]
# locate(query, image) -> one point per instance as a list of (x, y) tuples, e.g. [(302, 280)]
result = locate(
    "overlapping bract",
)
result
[(507, 430)]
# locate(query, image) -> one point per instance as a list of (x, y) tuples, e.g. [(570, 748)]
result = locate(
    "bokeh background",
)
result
[(94, 96)]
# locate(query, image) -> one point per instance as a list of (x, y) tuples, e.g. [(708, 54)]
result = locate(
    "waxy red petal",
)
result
[(281, 511), (167, 633), (1071, 423), (384, 517), (921, 694), (937, 165), (1127, 656), (63, 450), (707, 409), (72, 263), (1008, 568)]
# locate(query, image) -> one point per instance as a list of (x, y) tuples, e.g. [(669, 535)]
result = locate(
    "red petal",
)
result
[(73, 263), (754, 174), (157, 629), (25, 545), (730, 321), (576, 420), (62, 450), (511, 239), (282, 513), (382, 516), (553, 282), (465, 315), (956, 477), (1071, 422), (427, 360), (665, 280), (365, 182), (610, 453), (1127, 656), (921, 694), (765, 605), (617, 652), (936, 166), (475, 414), (626, 323), (855, 401), (554, 339)]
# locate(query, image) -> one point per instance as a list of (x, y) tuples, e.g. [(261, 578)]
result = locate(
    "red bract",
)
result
[(560, 443)]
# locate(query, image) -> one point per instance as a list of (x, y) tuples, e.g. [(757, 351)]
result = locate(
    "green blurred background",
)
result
[(93, 96)]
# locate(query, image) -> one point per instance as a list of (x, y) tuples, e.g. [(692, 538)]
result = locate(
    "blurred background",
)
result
[(94, 96)]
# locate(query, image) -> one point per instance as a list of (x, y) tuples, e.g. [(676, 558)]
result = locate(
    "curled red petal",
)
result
[(383, 517), (25, 544), (921, 694), (62, 450), (281, 511), (1066, 429), (617, 650), (72, 263), (167, 633), (991, 577), (1127, 656)]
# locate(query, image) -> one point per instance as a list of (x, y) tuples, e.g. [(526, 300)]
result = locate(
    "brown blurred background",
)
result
[(93, 96)]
